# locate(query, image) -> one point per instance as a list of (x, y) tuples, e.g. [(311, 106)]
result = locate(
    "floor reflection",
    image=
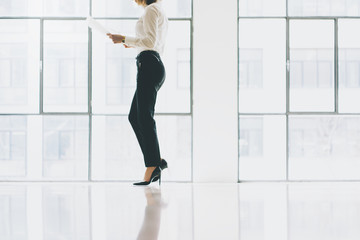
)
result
[(247, 211), (152, 216), (298, 211)]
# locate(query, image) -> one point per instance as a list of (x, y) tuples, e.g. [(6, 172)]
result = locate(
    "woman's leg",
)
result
[(150, 77), (133, 119), (146, 99)]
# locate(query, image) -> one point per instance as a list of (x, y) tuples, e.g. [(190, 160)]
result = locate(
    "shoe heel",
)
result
[(163, 164), (160, 179)]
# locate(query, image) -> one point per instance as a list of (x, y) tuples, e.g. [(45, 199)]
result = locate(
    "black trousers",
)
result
[(150, 77)]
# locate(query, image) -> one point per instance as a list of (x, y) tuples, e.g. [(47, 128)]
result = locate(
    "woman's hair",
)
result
[(147, 2)]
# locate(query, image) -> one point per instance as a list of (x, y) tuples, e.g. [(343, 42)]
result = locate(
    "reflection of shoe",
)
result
[(155, 174), (153, 197), (163, 165)]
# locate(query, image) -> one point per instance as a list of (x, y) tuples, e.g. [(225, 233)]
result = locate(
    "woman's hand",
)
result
[(127, 46), (116, 38)]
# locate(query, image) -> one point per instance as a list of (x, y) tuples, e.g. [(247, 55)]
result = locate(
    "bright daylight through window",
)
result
[(65, 91), (299, 88)]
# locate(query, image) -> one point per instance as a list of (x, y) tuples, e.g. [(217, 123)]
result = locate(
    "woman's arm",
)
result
[(150, 26), (116, 38)]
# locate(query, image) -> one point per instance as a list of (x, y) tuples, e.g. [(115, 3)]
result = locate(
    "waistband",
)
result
[(148, 52)]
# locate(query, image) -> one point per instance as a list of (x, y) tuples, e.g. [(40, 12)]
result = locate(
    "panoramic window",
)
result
[(299, 82), (65, 91)]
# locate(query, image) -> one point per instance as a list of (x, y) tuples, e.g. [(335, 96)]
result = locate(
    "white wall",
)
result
[(215, 91)]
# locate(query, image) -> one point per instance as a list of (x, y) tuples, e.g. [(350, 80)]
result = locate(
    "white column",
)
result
[(215, 91)]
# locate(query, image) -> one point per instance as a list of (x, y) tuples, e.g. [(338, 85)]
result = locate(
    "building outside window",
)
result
[(65, 91), (309, 93)]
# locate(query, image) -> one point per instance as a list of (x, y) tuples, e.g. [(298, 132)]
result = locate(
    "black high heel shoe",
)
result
[(156, 174), (163, 165)]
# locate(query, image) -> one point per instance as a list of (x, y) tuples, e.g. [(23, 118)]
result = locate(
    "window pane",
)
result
[(115, 8), (349, 66), (13, 137), (14, 7), (178, 8), (65, 147), (19, 66), (262, 73), (324, 148), (65, 66), (324, 7), (127, 8), (312, 65), (174, 95), (262, 7), (67, 8), (13, 212), (262, 146), (44, 147), (114, 70), (183, 68), (63, 8), (116, 154)]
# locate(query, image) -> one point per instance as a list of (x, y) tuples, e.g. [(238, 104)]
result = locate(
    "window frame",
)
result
[(89, 113), (335, 69)]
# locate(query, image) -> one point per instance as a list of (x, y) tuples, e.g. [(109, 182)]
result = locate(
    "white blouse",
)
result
[(151, 30)]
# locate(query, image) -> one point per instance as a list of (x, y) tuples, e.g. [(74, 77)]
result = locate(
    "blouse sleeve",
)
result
[(150, 25)]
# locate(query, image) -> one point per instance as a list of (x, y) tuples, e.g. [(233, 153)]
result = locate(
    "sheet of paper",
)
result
[(93, 24)]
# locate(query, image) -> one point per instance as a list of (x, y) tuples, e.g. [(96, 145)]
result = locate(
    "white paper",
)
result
[(96, 25)]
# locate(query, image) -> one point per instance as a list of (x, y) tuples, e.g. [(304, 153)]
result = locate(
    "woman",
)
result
[(151, 30)]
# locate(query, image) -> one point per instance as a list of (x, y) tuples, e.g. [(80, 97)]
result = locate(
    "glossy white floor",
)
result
[(246, 211)]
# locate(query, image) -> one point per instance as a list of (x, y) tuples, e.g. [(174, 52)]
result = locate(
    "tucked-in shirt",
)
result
[(151, 30)]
